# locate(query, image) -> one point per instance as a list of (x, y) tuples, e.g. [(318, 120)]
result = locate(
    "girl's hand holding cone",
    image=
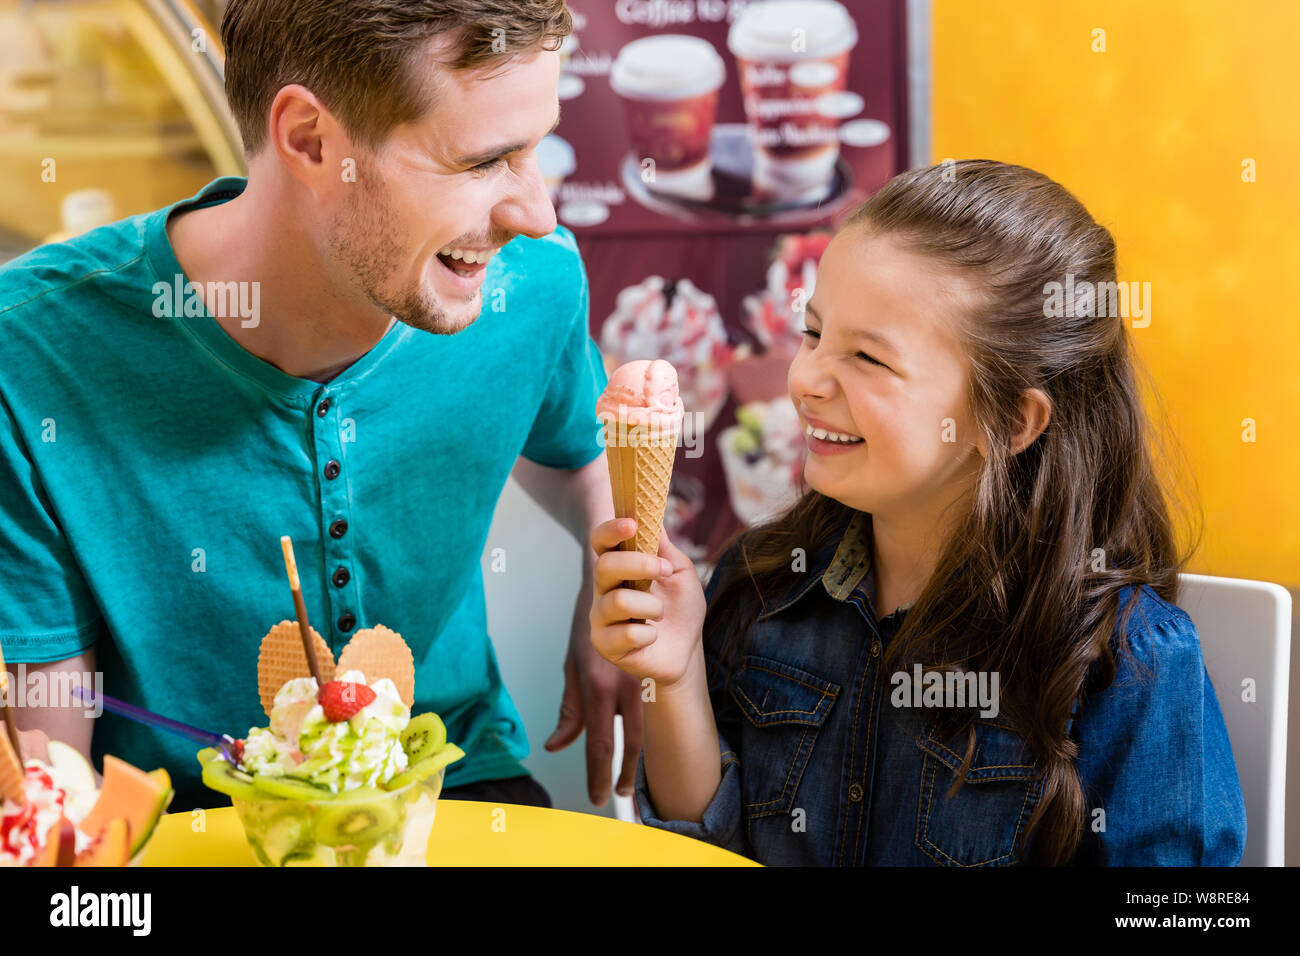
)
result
[(654, 633)]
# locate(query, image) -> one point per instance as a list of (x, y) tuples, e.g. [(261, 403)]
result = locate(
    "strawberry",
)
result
[(342, 699), (237, 750)]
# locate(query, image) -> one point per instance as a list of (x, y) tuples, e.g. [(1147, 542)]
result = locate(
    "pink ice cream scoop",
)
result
[(642, 393)]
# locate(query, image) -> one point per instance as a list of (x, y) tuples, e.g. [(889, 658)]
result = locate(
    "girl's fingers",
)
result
[(625, 604), (619, 640), (610, 534), (615, 567)]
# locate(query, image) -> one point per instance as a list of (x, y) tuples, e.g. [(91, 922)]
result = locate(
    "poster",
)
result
[(704, 151)]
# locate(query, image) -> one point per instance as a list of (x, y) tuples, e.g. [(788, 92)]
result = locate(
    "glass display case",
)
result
[(108, 108)]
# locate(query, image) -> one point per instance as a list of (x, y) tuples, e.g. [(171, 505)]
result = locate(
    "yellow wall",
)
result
[(1151, 135)]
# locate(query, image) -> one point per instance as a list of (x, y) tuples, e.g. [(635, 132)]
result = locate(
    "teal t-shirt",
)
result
[(149, 466)]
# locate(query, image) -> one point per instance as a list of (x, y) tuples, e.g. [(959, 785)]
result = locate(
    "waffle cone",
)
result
[(11, 772), (282, 659), (380, 652), (639, 475)]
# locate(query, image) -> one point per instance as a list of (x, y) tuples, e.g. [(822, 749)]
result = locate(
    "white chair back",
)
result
[(1245, 631)]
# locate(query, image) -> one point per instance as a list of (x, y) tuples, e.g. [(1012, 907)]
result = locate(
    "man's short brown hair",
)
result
[(361, 57)]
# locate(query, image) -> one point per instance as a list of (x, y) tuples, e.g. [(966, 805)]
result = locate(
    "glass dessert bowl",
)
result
[(290, 821)]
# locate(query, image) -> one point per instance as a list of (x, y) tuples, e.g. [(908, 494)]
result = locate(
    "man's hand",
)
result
[(594, 691)]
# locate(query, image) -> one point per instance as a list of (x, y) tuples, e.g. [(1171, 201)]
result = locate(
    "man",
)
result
[(383, 321)]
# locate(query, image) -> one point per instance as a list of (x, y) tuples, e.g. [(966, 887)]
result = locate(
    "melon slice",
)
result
[(110, 848), (137, 797), (48, 855)]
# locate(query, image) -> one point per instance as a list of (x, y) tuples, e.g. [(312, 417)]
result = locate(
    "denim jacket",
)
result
[(819, 768)]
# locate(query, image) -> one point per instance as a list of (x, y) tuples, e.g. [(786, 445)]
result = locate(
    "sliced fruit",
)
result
[(111, 848), (423, 737), (131, 794), (220, 776), (48, 855), (340, 700), (207, 753), (73, 769), (289, 788), (358, 817), (288, 836), (67, 836), (426, 768), (161, 776)]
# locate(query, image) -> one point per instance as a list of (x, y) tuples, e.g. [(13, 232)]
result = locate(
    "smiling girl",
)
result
[(983, 511)]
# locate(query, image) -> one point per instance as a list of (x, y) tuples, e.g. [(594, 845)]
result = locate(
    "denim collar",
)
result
[(842, 565)]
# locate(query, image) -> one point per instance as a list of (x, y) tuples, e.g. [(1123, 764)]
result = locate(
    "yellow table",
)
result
[(465, 833)]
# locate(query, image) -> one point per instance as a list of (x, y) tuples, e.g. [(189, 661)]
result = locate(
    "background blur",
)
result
[(1173, 120)]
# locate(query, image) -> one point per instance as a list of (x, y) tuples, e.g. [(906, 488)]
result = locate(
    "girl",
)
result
[(961, 646)]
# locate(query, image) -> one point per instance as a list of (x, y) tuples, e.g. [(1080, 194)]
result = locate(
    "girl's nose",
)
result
[(808, 380)]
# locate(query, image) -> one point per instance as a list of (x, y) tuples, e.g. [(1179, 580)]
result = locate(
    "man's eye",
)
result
[(491, 164), (813, 332)]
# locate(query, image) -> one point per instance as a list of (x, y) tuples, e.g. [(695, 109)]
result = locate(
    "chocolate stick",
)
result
[(300, 608)]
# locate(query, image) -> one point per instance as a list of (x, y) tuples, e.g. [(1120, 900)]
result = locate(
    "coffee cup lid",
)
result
[(766, 30), (669, 66), (556, 157)]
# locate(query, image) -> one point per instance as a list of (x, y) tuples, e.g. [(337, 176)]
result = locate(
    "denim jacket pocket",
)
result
[(784, 710), (983, 823)]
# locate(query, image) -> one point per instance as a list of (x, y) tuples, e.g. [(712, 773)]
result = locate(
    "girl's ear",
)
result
[(1035, 413)]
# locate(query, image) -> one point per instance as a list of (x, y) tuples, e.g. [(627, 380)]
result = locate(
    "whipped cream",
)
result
[(24, 828), (363, 751)]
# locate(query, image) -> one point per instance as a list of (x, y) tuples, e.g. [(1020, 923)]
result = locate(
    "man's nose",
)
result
[(528, 210)]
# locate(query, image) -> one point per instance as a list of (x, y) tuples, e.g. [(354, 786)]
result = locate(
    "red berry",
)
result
[(342, 699), (237, 750)]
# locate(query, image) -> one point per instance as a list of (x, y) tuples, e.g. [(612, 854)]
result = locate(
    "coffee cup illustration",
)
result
[(669, 86), (793, 60)]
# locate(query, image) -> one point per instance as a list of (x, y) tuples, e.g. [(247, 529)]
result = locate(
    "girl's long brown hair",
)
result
[(1028, 585)]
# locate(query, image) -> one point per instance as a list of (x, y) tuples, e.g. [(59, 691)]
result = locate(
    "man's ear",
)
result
[(1035, 413)]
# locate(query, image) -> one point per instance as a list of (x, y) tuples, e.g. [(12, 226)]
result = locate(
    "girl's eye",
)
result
[(864, 355)]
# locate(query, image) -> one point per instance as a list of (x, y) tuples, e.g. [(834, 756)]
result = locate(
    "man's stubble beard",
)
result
[(361, 240)]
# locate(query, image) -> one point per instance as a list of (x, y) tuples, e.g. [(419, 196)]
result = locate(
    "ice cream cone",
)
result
[(639, 475), (642, 411)]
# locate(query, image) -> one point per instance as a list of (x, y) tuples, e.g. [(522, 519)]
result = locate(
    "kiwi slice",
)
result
[(289, 835), (426, 768), (220, 776), (423, 737), (359, 817), (290, 788)]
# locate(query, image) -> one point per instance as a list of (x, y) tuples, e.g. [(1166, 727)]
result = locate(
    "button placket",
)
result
[(327, 420)]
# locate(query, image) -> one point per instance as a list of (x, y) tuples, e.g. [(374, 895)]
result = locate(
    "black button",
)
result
[(347, 622), (323, 407), (339, 528), (341, 577), (332, 470), (855, 792)]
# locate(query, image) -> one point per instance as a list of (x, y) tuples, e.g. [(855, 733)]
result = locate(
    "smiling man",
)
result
[(419, 331)]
